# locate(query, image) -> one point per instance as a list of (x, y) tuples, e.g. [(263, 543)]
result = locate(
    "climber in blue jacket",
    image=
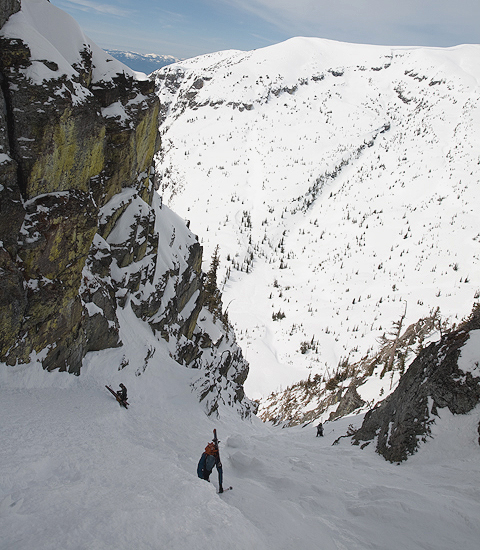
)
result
[(210, 458)]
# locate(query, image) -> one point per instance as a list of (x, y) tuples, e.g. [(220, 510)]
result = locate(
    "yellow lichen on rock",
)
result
[(70, 151)]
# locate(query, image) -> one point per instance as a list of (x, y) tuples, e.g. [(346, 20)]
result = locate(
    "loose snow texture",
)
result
[(80, 472), (344, 176)]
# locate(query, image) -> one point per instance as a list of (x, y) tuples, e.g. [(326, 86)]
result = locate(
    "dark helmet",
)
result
[(122, 386)]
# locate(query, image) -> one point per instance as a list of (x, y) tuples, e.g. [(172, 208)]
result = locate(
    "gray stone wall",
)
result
[(7, 8)]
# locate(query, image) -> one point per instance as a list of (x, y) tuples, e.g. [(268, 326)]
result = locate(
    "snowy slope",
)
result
[(80, 472), (341, 183)]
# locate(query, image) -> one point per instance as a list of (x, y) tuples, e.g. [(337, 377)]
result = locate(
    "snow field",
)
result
[(345, 183), (80, 472)]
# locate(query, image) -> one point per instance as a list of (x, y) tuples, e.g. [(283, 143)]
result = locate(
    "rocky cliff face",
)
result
[(8, 8), (435, 380), (82, 231), (349, 388)]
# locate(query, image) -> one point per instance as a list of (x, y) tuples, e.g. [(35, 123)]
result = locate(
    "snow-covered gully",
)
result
[(80, 472)]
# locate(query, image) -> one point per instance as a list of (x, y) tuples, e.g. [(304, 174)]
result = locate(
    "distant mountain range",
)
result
[(145, 63)]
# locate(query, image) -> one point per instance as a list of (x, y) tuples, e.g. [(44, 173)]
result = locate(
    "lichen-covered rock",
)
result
[(13, 302), (82, 232), (131, 116), (64, 153)]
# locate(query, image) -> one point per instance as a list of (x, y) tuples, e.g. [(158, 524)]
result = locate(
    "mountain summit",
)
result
[(340, 182)]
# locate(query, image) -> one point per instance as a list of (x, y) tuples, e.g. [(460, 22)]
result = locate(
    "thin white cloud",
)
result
[(382, 20), (98, 7), (168, 13)]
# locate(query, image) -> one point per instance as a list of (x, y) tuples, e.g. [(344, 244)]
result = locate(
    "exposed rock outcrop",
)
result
[(331, 398), (8, 8), (432, 382), (82, 231), (349, 402), (65, 155)]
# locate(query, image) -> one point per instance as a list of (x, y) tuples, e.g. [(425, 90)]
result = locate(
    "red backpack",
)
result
[(210, 449)]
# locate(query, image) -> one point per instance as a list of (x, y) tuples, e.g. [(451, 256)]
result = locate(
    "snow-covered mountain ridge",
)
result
[(340, 182), (145, 63)]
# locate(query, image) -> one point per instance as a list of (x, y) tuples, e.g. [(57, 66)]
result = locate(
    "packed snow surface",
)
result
[(80, 472), (341, 183)]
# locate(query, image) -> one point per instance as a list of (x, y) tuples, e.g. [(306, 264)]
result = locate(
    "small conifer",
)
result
[(213, 296)]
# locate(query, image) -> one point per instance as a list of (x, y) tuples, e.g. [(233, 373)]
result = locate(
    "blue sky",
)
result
[(186, 28)]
